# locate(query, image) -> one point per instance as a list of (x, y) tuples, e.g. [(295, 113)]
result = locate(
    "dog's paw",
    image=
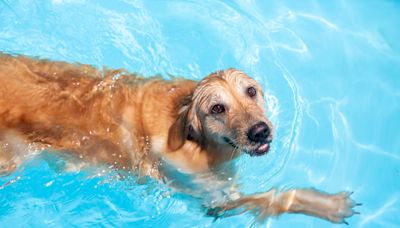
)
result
[(340, 206)]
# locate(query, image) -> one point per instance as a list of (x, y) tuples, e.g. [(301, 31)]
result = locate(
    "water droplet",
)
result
[(49, 183)]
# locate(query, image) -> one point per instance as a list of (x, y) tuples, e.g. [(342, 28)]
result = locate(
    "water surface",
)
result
[(331, 72)]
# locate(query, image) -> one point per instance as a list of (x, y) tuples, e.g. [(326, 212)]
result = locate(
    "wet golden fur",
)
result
[(145, 124)]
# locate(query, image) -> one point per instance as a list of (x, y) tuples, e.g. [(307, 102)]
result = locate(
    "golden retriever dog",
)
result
[(181, 132)]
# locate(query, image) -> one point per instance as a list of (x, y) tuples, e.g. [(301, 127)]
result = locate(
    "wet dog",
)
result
[(156, 127)]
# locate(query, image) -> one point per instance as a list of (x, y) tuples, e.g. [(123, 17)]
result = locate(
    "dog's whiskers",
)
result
[(236, 148)]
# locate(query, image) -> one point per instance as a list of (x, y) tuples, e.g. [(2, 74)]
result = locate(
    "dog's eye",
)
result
[(218, 108), (251, 91)]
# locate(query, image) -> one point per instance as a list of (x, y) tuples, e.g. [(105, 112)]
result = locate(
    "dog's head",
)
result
[(226, 108)]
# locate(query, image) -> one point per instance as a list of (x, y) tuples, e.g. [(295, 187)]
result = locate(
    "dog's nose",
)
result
[(259, 132)]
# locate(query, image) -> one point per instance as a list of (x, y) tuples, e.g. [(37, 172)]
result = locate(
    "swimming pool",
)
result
[(331, 72)]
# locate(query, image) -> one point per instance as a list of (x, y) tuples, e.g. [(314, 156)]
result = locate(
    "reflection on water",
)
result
[(330, 72)]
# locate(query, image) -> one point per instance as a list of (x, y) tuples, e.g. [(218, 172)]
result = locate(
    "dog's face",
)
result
[(227, 108)]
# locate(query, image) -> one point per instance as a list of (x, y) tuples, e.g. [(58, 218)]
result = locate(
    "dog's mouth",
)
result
[(261, 149)]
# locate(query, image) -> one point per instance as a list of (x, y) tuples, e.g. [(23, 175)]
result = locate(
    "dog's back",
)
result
[(55, 104), (96, 114)]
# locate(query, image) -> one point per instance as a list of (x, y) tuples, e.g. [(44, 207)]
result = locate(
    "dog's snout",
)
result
[(259, 132)]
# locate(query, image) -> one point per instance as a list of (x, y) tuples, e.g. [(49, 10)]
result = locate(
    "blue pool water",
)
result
[(330, 69)]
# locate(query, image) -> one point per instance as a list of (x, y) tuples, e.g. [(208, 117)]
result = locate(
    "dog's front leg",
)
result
[(332, 207)]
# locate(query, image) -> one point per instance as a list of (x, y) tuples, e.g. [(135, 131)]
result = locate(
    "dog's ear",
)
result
[(186, 127), (178, 132)]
